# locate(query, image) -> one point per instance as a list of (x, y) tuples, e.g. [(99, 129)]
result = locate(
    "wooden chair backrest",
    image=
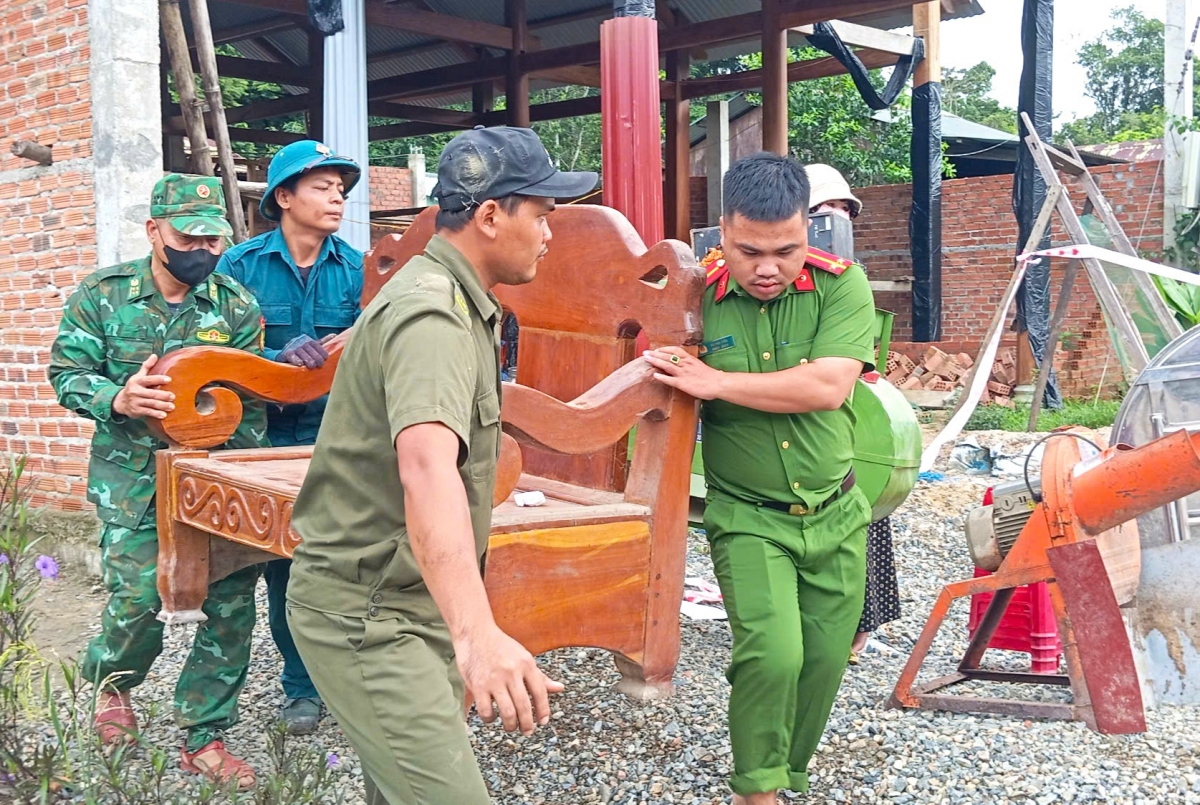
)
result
[(596, 289)]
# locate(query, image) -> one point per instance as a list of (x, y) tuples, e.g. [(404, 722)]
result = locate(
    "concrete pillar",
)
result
[(716, 155), (416, 170), (1177, 100), (346, 115), (126, 123)]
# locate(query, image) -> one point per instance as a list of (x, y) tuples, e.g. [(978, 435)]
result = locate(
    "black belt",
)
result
[(799, 509)]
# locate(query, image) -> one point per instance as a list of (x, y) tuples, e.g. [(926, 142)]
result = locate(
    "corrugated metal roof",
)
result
[(411, 52), (1143, 151)]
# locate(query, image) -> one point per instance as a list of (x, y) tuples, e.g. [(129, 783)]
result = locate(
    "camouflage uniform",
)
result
[(113, 322)]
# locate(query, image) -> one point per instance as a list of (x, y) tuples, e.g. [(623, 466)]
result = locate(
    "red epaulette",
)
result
[(827, 262), (817, 259), (716, 272)]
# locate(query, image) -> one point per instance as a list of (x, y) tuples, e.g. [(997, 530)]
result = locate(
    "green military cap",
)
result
[(195, 205)]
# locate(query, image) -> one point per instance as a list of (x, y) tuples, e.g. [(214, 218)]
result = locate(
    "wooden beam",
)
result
[(775, 80), (581, 75), (483, 97), (806, 12), (555, 110), (315, 124), (259, 70), (456, 76), (413, 20), (600, 12), (422, 114), (927, 19), (269, 137), (677, 194), (864, 36), (258, 110), (571, 56), (253, 30), (516, 85), (398, 131), (796, 71)]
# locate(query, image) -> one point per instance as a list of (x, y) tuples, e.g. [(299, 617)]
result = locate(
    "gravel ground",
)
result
[(602, 747)]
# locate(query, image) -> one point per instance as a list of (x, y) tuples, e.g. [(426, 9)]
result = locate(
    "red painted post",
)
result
[(631, 124)]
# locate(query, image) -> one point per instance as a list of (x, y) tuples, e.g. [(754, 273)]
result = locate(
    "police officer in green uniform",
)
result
[(386, 600), (114, 328), (308, 282), (787, 331)]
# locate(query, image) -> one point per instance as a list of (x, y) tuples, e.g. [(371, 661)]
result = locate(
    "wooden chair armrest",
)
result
[(596, 419), (203, 379)]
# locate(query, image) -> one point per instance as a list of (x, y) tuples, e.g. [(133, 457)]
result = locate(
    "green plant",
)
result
[(48, 750), (1183, 299), (1085, 413)]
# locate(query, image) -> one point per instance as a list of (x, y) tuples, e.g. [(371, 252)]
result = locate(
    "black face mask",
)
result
[(191, 268)]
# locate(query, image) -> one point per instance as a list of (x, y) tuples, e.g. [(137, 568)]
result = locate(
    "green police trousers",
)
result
[(130, 636), (793, 587), (395, 691)]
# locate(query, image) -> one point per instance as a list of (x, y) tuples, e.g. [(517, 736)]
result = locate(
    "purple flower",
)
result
[(332, 761), (3, 559), (47, 567)]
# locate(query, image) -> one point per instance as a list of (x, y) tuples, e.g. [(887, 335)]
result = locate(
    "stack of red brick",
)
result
[(939, 371)]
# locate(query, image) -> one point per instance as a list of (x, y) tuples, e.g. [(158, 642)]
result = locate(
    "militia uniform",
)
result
[(318, 301), (786, 524), (368, 628), (114, 321)]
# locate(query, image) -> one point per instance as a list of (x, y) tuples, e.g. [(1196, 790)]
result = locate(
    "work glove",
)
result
[(303, 351)]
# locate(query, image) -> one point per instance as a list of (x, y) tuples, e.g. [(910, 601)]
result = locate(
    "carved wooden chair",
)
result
[(601, 563)]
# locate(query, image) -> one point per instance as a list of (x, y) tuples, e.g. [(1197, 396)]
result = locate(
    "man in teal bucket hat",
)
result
[(308, 282)]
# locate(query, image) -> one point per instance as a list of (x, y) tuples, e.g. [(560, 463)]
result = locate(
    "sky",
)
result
[(995, 37)]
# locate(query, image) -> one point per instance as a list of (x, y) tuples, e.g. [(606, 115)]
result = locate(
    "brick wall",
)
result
[(391, 188), (979, 234), (47, 232)]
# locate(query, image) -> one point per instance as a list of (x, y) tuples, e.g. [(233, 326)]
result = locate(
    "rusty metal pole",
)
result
[(206, 52)]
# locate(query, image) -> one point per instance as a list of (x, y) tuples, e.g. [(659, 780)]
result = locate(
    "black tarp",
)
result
[(633, 8), (825, 38), (925, 218), (325, 16), (1029, 189)]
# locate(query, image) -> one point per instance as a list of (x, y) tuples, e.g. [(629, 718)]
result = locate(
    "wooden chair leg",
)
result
[(183, 556), (642, 685)]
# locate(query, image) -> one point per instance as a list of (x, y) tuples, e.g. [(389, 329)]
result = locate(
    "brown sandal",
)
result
[(115, 721), (226, 768)]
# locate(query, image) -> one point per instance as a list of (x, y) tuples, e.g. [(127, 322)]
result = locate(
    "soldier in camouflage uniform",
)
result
[(114, 328)]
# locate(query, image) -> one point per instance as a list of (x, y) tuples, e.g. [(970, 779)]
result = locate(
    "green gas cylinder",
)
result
[(887, 444)]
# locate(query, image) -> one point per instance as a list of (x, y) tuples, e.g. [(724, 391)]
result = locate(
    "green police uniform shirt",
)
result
[(114, 321), (424, 350), (757, 456)]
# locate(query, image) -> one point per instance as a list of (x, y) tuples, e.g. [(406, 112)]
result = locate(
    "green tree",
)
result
[(1124, 79), (829, 122), (965, 92)]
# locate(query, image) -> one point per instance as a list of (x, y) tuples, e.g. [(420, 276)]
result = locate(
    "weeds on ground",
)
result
[(49, 752), (1086, 413)]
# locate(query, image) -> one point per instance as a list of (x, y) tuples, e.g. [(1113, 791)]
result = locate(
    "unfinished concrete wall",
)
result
[(126, 121)]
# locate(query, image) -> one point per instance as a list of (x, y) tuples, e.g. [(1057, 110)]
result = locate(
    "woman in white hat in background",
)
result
[(830, 192)]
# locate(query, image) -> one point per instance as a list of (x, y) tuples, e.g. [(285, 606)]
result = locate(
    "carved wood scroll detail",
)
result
[(247, 516)]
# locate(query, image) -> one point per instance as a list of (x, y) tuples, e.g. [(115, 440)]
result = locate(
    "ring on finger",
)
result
[(675, 359)]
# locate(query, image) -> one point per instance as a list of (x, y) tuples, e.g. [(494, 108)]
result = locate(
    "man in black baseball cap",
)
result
[(395, 510)]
